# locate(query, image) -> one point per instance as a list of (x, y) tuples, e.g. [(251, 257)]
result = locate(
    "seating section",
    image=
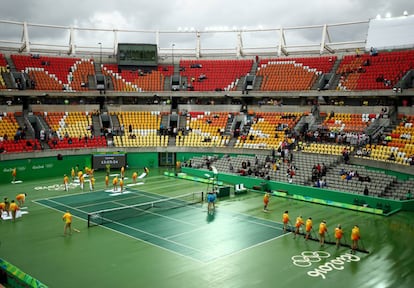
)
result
[(262, 166), (329, 149), (268, 130), (397, 148), (79, 74), (214, 75), (140, 129), (57, 67), (365, 72), (286, 74), (377, 184), (346, 178), (18, 146), (347, 122), (3, 68), (55, 73), (166, 70), (72, 130), (8, 142), (8, 125), (205, 129), (137, 80)]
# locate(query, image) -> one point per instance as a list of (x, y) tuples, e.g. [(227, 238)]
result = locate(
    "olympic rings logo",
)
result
[(306, 258)]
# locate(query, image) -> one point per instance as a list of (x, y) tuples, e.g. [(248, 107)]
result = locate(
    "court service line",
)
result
[(67, 206), (155, 236), (112, 201), (156, 214), (153, 244), (250, 247), (130, 236)]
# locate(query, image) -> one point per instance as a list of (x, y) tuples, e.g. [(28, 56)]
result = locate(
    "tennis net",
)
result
[(105, 216)]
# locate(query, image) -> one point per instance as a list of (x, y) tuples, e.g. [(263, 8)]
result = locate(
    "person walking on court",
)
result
[(106, 181), (299, 222), (21, 198), (266, 199), (308, 227), (115, 183), (122, 172), (67, 218), (285, 220), (338, 235), (91, 183), (72, 174), (7, 206), (13, 209), (211, 201), (82, 181), (134, 177), (14, 174), (66, 181), (80, 173), (355, 236), (2, 209), (121, 184), (322, 230)]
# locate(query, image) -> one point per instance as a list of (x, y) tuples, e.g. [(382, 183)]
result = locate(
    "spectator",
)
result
[(366, 192)]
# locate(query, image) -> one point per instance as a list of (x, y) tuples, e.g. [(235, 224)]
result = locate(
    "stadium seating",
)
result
[(72, 130), (347, 122), (140, 129), (285, 74), (268, 130), (205, 129), (8, 142), (214, 75), (399, 149), (55, 73), (365, 72), (3, 68), (137, 80)]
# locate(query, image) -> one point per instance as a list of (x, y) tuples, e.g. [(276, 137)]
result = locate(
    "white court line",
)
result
[(119, 193), (154, 213)]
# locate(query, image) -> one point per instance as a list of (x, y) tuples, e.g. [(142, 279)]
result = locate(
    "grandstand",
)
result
[(313, 100), (317, 122)]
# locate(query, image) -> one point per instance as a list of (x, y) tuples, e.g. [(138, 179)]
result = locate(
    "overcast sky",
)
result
[(173, 15)]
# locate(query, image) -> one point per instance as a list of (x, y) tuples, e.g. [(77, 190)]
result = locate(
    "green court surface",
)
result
[(238, 246)]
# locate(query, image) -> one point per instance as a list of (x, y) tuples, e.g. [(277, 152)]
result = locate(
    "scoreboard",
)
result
[(137, 54), (115, 160)]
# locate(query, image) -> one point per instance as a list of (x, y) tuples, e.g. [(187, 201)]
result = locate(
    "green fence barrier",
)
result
[(17, 278)]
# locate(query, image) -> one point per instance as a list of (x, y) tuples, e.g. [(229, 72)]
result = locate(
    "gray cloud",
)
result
[(196, 14)]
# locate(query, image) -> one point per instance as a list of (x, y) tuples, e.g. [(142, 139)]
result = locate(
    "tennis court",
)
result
[(179, 224), (238, 246)]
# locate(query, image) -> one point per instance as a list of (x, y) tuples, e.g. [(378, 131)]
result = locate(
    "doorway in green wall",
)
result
[(166, 159)]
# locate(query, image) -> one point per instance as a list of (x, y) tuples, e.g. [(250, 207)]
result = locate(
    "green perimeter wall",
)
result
[(142, 159), (40, 168), (307, 191)]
